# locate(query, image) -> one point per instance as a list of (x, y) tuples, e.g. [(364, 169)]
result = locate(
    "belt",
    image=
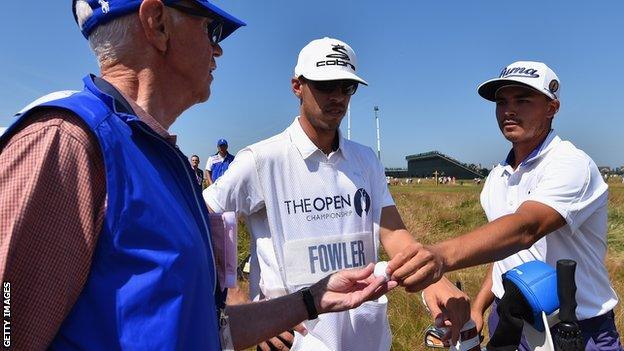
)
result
[(598, 323)]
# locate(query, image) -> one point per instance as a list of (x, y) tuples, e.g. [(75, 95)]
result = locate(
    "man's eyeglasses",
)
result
[(347, 87), (214, 29)]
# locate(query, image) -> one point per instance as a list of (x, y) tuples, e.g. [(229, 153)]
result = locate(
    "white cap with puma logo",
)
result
[(533, 74)]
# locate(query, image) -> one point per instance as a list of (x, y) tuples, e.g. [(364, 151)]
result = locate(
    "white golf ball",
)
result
[(380, 270)]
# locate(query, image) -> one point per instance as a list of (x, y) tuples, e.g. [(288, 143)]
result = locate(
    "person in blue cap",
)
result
[(104, 234), (218, 163)]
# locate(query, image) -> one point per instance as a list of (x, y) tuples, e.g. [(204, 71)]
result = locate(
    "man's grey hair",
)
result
[(114, 39)]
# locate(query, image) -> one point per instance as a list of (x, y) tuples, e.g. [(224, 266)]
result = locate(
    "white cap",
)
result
[(327, 59), (535, 75)]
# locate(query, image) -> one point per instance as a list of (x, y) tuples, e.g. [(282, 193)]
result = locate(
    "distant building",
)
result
[(425, 164)]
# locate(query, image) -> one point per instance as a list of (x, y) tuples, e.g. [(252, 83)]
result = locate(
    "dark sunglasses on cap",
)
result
[(347, 87), (214, 29)]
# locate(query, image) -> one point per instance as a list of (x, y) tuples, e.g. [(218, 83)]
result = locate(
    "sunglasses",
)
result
[(214, 29), (347, 87)]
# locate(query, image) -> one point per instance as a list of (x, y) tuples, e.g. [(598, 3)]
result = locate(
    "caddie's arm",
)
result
[(500, 238), (448, 305), (347, 289)]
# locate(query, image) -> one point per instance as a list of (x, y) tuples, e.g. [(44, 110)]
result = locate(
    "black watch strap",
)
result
[(308, 300)]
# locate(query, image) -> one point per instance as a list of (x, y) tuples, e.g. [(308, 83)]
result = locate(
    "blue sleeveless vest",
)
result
[(152, 284)]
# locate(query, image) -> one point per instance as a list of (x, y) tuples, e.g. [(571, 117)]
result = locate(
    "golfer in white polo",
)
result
[(545, 201)]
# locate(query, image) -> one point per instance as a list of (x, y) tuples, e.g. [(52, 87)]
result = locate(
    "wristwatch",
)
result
[(308, 300)]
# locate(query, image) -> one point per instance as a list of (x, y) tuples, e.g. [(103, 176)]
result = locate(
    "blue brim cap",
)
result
[(105, 11)]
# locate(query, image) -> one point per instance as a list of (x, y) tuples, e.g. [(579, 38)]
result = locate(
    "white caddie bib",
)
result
[(320, 214)]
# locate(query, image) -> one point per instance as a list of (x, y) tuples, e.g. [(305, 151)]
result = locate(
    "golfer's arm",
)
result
[(501, 237), (255, 322), (484, 297)]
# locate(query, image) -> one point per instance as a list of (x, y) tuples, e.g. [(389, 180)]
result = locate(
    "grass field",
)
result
[(433, 213)]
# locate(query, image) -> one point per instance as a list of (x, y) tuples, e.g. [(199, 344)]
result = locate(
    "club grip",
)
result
[(566, 290)]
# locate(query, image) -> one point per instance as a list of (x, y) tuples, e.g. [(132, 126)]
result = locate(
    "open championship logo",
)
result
[(361, 202)]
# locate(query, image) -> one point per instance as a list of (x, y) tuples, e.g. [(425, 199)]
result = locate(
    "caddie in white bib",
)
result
[(313, 205), (323, 217)]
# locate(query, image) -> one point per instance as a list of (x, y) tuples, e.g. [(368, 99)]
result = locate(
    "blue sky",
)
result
[(423, 61)]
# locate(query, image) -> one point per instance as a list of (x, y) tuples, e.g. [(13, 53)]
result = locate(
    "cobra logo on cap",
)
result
[(553, 86), (341, 52), (340, 58)]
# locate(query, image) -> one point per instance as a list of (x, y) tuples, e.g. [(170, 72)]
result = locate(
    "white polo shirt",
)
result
[(564, 178), (309, 215)]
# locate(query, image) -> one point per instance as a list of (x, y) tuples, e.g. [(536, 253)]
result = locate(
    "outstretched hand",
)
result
[(348, 289), (416, 267)]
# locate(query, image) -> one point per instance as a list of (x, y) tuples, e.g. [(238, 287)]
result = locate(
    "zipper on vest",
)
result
[(192, 184)]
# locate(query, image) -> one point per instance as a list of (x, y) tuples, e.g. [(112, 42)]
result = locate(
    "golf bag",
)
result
[(538, 298)]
